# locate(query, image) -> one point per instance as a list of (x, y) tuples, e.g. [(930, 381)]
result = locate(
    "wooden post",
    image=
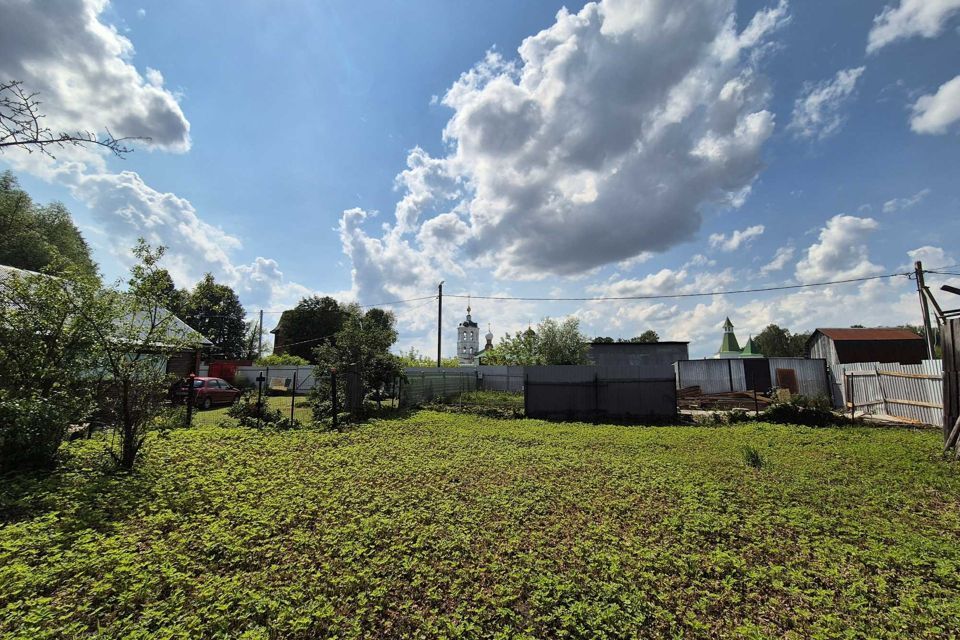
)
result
[(952, 438), (883, 395), (853, 406)]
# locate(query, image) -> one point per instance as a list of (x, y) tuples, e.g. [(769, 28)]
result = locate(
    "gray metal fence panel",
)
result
[(811, 374), (423, 385), (588, 392), (913, 392), (500, 378), (712, 376), (306, 376)]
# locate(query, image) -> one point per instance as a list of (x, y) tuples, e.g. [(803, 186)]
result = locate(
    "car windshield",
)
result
[(197, 384)]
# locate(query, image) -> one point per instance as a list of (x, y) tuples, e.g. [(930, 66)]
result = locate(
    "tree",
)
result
[(255, 344), (159, 283), (361, 347), (776, 342), (36, 238), (647, 336), (414, 358), (215, 311), (281, 360), (47, 354), (68, 341), (551, 343), (313, 322), (561, 342), (603, 340), (133, 337), (21, 125)]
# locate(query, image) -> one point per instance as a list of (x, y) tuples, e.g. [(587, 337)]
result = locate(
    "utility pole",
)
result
[(439, 320), (260, 336), (924, 309)]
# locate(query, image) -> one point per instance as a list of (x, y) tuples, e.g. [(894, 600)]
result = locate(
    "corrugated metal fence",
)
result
[(493, 378), (592, 393), (910, 391), (305, 376), (727, 374), (424, 385)]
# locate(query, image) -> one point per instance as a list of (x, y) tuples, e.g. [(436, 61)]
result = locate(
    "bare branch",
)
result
[(21, 125)]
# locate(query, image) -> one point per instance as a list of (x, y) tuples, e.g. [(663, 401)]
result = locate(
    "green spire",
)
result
[(729, 339), (751, 348)]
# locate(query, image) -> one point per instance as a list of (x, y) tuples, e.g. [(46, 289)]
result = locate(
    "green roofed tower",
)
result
[(729, 343)]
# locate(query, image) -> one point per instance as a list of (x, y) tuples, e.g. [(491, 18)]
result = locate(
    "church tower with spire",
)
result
[(468, 340)]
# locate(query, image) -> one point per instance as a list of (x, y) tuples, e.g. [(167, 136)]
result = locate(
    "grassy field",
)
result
[(442, 525)]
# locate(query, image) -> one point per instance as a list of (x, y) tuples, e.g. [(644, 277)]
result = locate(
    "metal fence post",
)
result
[(293, 394), (526, 395), (596, 399), (191, 394)]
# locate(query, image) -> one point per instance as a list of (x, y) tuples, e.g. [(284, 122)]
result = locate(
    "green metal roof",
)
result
[(729, 339), (751, 349)]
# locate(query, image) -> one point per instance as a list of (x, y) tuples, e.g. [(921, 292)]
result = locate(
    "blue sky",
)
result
[(369, 150)]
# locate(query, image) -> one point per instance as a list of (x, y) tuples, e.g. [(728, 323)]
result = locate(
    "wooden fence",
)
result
[(911, 392)]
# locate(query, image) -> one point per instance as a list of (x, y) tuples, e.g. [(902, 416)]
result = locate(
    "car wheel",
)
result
[(207, 403)]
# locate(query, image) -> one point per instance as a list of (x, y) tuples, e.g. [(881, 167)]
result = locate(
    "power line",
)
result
[(683, 295), (375, 304)]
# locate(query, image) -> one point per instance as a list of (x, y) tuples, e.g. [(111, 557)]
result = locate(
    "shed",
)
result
[(883, 344), (635, 354)]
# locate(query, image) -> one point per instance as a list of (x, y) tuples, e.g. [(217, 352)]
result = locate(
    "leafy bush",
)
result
[(803, 410), (249, 414), (170, 418), (281, 360), (752, 457), (723, 418), (32, 428)]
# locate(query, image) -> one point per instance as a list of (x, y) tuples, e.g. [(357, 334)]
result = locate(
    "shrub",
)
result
[(170, 418), (32, 428), (803, 410), (281, 360), (248, 414), (752, 457)]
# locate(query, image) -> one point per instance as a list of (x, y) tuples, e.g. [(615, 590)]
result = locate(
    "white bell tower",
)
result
[(468, 339)]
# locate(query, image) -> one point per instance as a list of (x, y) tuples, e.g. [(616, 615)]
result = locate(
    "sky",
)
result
[(619, 149)]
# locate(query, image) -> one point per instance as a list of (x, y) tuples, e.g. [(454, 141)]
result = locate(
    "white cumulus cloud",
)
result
[(818, 111), (934, 113), (81, 68), (780, 259), (910, 18), (841, 251), (602, 141), (736, 239)]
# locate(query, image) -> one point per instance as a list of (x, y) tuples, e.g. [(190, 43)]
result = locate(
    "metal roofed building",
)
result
[(634, 354), (882, 344)]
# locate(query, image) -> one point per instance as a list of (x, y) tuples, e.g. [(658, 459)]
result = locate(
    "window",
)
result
[(197, 384)]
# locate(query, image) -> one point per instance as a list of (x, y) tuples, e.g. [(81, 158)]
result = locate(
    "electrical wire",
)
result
[(665, 296)]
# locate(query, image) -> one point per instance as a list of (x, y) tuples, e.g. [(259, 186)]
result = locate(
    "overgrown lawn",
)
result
[(453, 525)]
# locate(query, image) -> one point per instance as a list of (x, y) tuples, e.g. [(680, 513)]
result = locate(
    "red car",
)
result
[(206, 392)]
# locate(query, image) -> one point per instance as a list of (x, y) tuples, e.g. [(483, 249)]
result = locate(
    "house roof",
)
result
[(880, 333), (176, 330)]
